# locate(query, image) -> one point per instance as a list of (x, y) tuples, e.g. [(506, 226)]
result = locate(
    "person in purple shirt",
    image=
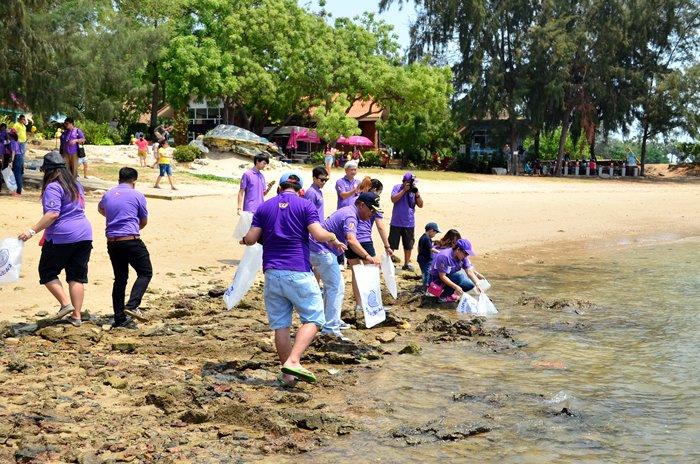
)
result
[(17, 161), (313, 193), (283, 225), (71, 139), (253, 189), (67, 237), (343, 223), (125, 211), (405, 197), (448, 270), (5, 149), (347, 187)]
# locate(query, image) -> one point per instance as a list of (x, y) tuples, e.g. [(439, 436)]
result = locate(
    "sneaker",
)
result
[(75, 322), (136, 314), (127, 324), (344, 325), (64, 311), (407, 267)]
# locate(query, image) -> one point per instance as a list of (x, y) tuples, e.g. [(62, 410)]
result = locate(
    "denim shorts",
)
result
[(285, 290), (329, 159), (165, 170)]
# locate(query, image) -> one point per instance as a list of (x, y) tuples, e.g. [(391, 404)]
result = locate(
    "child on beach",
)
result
[(425, 250), (164, 160), (142, 146)]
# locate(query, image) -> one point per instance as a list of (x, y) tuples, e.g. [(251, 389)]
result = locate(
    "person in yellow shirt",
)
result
[(21, 128), (164, 160)]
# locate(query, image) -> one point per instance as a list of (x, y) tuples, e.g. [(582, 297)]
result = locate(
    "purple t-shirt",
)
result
[(284, 221), (68, 135), (315, 196), (445, 261), (253, 183), (346, 185), (16, 148), (71, 226), (403, 213), (124, 209), (364, 228), (341, 223)]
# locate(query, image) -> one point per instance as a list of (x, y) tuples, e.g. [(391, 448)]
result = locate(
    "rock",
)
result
[(32, 453), (434, 323), (387, 337), (178, 329), (177, 313), (115, 382), (163, 401), (11, 341), (124, 346), (52, 334), (17, 366), (411, 348), (41, 314), (192, 416), (217, 292)]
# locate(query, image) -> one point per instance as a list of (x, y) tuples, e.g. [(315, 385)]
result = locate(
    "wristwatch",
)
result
[(32, 232)]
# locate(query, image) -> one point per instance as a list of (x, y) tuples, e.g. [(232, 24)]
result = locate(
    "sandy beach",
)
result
[(496, 213)]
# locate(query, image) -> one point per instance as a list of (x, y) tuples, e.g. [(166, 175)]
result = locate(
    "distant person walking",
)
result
[(329, 157), (142, 150), (253, 188), (164, 165), (68, 237), (17, 161), (21, 128), (405, 197), (71, 139), (162, 133)]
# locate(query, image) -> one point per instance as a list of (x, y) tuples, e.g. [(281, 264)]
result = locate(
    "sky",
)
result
[(400, 19)]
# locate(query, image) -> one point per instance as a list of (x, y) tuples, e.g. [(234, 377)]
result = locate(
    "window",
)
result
[(479, 138)]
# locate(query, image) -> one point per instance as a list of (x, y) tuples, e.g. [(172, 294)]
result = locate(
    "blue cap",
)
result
[(432, 226), (285, 178)]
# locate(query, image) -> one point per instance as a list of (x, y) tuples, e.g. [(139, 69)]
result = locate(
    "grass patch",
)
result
[(419, 173), (212, 177)]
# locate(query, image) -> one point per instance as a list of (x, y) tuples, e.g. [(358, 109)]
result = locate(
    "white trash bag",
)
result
[(243, 226), (10, 180), (467, 304), (484, 284), (10, 260), (248, 268), (484, 306), (368, 282), (389, 275)]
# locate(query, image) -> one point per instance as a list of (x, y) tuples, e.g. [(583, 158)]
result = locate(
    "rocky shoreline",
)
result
[(198, 383)]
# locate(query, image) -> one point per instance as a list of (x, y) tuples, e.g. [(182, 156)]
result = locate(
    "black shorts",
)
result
[(368, 246), (405, 234), (73, 257)]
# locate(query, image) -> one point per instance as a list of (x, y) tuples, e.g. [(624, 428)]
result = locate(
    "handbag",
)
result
[(435, 289), (81, 151)]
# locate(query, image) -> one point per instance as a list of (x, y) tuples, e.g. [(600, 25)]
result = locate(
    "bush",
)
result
[(99, 133), (187, 154), (371, 158), (316, 158)]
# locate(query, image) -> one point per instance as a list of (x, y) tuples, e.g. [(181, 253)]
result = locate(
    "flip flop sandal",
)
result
[(300, 373), (286, 383)]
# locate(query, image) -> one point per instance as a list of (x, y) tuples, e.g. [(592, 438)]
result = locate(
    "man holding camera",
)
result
[(405, 197)]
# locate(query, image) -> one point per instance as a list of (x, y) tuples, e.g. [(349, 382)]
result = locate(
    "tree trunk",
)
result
[(643, 155), (536, 144), (562, 142), (591, 147), (154, 103), (180, 124), (514, 145)]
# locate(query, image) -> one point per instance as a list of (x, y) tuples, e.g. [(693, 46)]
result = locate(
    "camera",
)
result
[(413, 188)]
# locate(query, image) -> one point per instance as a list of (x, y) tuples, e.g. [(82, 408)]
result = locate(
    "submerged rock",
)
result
[(411, 348)]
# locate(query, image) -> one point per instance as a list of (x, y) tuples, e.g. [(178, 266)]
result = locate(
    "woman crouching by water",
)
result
[(67, 237), (448, 270)]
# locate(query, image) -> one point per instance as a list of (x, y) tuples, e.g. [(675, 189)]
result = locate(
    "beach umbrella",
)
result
[(356, 140)]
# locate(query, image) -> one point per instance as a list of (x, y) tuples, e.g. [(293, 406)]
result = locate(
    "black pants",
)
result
[(124, 254)]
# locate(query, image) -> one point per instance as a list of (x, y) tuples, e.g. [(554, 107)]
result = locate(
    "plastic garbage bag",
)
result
[(10, 260), (243, 226), (485, 285), (389, 272), (467, 304), (9, 178), (248, 268), (368, 282), (484, 306)]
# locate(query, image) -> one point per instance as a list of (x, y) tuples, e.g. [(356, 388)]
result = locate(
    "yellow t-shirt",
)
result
[(21, 131), (163, 157)]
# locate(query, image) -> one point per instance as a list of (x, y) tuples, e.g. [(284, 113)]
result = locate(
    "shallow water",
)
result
[(628, 371)]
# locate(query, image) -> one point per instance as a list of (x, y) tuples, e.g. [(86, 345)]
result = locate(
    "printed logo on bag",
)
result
[(4, 266), (373, 300)]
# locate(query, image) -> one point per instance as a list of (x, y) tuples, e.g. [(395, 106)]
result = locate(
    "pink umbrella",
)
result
[(356, 140)]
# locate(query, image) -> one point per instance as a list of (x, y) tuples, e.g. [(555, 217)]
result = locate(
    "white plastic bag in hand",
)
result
[(248, 268), (10, 260), (243, 226), (467, 304), (389, 275), (368, 282), (10, 180), (484, 284), (484, 306)]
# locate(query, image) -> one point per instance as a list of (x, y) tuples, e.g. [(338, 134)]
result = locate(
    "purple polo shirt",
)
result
[(71, 226), (345, 185), (315, 196), (284, 221), (68, 135), (364, 228), (124, 209), (16, 148), (341, 223), (444, 261), (404, 211), (253, 183)]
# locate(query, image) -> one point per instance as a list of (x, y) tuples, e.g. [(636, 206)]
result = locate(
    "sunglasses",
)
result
[(323, 179)]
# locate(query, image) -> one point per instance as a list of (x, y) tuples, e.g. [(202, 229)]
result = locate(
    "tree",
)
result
[(334, 122)]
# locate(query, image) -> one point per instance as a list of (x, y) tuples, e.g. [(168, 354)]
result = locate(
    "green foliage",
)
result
[(333, 122), (690, 150), (549, 146), (187, 154), (316, 158), (99, 133), (371, 158)]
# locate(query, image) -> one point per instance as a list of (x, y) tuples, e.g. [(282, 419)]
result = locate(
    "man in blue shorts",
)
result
[(283, 225)]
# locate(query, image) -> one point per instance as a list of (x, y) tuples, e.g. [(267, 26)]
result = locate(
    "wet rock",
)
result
[(436, 431), (52, 334), (566, 412), (469, 328), (574, 306), (125, 346), (434, 323), (387, 337), (291, 398), (177, 313), (411, 348), (194, 416)]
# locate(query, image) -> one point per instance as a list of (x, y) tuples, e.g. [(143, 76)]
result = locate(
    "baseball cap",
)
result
[(408, 177), (466, 246), (285, 178), (432, 226), (370, 199), (52, 160)]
